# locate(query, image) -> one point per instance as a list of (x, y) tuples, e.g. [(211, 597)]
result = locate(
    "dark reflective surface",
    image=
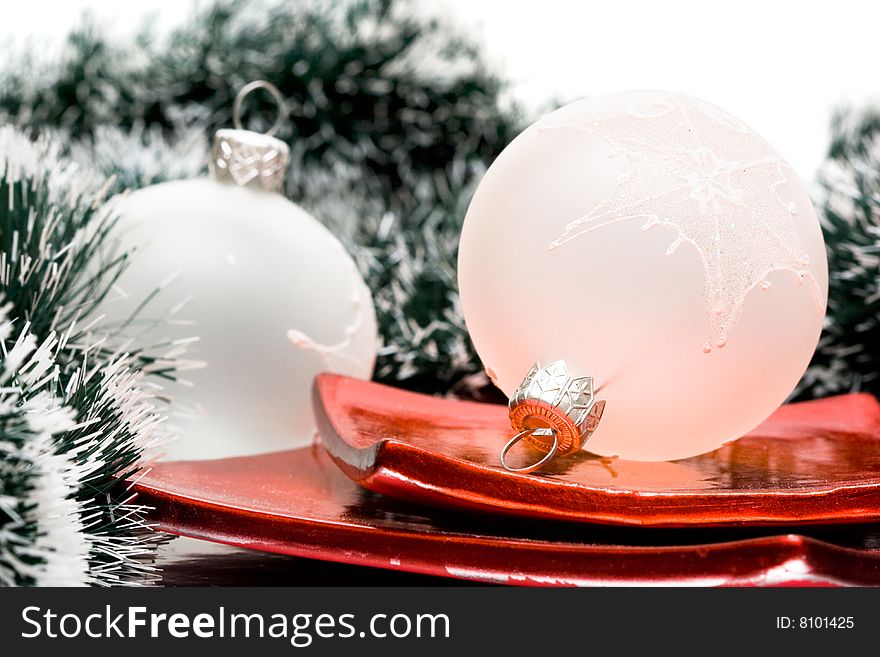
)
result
[(188, 562)]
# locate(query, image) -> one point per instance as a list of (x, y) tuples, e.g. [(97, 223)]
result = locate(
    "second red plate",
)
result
[(814, 462)]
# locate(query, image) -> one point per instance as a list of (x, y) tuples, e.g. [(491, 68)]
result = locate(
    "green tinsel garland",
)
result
[(848, 357), (57, 261)]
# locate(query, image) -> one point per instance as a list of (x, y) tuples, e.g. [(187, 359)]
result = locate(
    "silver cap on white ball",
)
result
[(249, 159)]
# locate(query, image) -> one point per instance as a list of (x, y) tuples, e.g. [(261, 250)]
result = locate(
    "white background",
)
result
[(781, 66)]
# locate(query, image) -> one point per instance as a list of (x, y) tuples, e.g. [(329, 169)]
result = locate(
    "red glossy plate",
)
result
[(299, 503), (813, 462)]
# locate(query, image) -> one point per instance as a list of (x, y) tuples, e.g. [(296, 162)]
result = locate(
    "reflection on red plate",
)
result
[(299, 503), (813, 462)]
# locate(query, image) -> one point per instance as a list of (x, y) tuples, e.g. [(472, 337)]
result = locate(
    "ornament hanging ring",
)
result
[(249, 88), (537, 464)]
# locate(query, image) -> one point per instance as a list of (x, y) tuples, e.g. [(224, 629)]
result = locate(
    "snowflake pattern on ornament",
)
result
[(707, 176)]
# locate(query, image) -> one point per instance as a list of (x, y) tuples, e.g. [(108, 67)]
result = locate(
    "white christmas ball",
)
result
[(272, 295), (656, 243)]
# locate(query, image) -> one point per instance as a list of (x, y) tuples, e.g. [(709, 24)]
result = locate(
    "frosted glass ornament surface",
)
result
[(272, 295), (656, 243)]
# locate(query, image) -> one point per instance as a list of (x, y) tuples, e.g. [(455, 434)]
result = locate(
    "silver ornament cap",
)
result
[(249, 159), (550, 397), (553, 411)]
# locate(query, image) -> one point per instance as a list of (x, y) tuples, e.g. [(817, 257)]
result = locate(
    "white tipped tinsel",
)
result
[(34, 162), (847, 358), (140, 157), (78, 416), (41, 536), (48, 537)]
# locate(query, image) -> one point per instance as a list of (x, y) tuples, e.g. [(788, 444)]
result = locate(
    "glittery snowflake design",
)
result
[(704, 174)]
